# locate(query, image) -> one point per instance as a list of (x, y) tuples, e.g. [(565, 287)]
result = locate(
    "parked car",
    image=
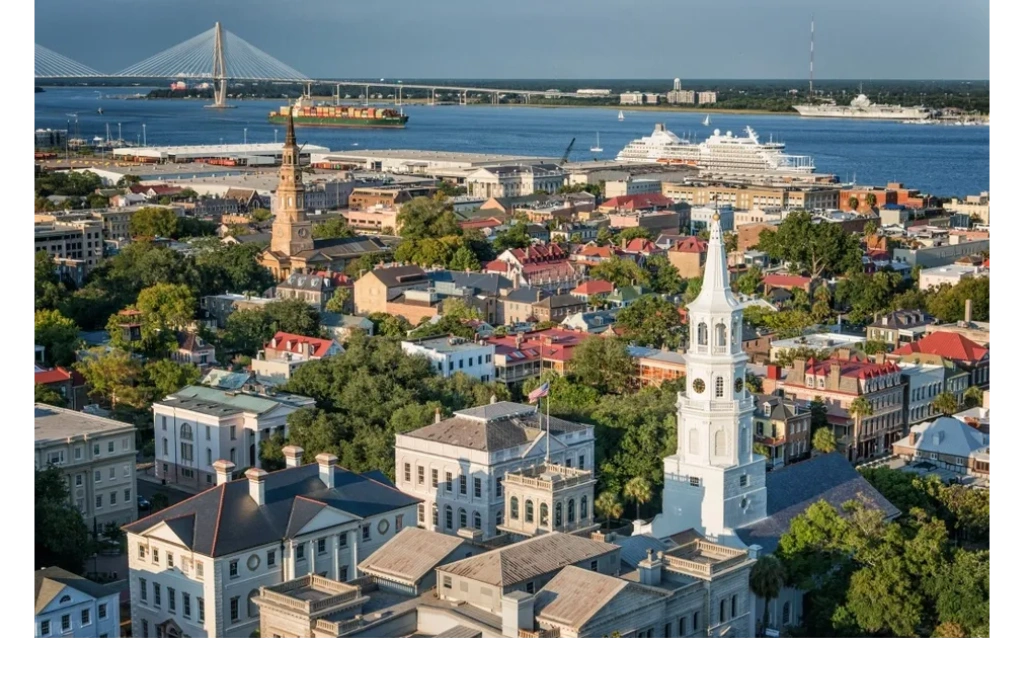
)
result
[(144, 504)]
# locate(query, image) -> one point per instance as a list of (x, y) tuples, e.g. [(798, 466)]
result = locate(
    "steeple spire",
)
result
[(289, 134), (715, 294)]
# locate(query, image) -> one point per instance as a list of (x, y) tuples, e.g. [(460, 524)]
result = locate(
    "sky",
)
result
[(592, 39)]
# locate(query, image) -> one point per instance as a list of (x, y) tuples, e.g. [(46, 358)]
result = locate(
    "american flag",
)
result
[(541, 391)]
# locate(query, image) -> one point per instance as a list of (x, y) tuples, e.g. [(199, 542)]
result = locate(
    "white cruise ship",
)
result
[(719, 154), (863, 108)]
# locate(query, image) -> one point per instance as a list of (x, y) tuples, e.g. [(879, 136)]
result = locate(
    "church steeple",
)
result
[(292, 232), (715, 294)]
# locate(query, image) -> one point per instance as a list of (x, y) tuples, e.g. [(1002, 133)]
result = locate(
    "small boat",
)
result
[(597, 147), (707, 120), (622, 117), (99, 110)]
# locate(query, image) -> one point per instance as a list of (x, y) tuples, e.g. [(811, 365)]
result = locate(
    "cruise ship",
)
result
[(863, 108), (719, 154)]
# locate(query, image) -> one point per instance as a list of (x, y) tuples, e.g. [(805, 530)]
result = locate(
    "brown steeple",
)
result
[(289, 133), (292, 232)]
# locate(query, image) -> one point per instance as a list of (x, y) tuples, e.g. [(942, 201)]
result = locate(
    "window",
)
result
[(785, 613), (462, 484), (694, 481), (421, 514), (145, 629), (593, 565), (97, 476), (99, 501), (110, 447), (86, 617), (366, 532), (420, 471), (300, 552), (234, 609), (583, 508), (163, 422), (271, 559), (96, 449), (199, 569), (321, 547), (446, 582), (513, 508), (408, 472), (529, 510), (101, 611), (78, 453), (399, 520), (171, 605), (719, 387), (568, 462), (113, 498), (558, 514), (44, 628), (232, 431), (433, 514), (571, 511), (448, 517), (128, 495), (186, 604), (497, 487), (200, 609), (65, 623), (721, 611), (530, 588), (165, 446), (433, 478), (696, 620), (462, 518), (668, 630), (156, 594), (702, 333), (447, 481), (250, 605), (732, 611), (170, 559), (543, 513), (744, 480), (233, 568), (142, 590)]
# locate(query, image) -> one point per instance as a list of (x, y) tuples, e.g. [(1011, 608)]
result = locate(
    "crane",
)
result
[(565, 157)]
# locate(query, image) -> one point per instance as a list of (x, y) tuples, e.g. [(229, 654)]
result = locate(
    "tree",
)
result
[(59, 335), (621, 272), (388, 325), (638, 489), (427, 217), (603, 363), (947, 302), (167, 377), (946, 404), (870, 229), (767, 578), (750, 281), (608, 505), (339, 300), (633, 232), (692, 289), (128, 179), (872, 347), (259, 215), (853, 203), (44, 394), (871, 199), (115, 376), (665, 278), (151, 222), (974, 396), (62, 537), (230, 268), (165, 310), (293, 316), (334, 227), (651, 321), (824, 440), (819, 413), (604, 236), (860, 408), (246, 331), (50, 291), (819, 249), (464, 260), (821, 308), (516, 237)]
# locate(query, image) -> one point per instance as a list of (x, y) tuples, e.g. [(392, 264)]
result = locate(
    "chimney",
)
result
[(516, 613), (650, 568), (843, 354), (292, 456), (224, 468), (968, 310), (754, 551), (799, 369), (834, 372), (912, 438), (257, 485), (437, 415), (327, 463)]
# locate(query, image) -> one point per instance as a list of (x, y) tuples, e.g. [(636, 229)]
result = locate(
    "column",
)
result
[(291, 562), (312, 556), (256, 446), (336, 572), (354, 562)]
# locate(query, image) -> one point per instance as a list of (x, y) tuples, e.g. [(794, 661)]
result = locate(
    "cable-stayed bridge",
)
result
[(220, 55)]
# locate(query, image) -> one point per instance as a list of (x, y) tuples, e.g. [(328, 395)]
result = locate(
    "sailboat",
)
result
[(597, 147), (707, 120), (622, 117)]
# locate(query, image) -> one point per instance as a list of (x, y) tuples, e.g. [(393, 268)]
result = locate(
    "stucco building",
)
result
[(70, 606)]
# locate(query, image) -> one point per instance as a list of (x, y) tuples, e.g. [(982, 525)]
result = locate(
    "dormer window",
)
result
[(767, 409)]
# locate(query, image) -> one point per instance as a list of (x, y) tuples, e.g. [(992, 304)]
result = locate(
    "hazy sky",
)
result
[(867, 39)]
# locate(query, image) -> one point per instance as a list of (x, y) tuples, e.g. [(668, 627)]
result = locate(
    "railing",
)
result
[(740, 404), (553, 633)]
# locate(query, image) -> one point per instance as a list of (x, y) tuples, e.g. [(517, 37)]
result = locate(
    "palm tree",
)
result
[(871, 200), (853, 203), (638, 489), (859, 409), (767, 578), (608, 505), (824, 440), (870, 229), (946, 404)]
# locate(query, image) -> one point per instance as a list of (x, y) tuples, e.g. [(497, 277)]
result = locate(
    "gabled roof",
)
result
[(51, 375), (53, 580), (948, 345), (643, 201), (317, 346), (592, 287), (640, 246), (785, 281), (395, 276), (190, 341), (793, 489), (691, 245), (225, 519), (414, 553), (530, 558), (576, 597), (947, 436), (494, 427)]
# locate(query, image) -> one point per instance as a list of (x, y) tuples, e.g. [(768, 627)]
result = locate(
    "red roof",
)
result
[(648, 200), (641, 245), (605, 252), (338, 279), (856, 369), (488, 222), (691, 244), (317, 346), (786, 281), (52, 375), (539, 253), (496, 266), (592, 287), (555, 343), (948, 345)]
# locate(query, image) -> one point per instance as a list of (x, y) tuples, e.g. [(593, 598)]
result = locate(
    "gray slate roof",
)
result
[(493, 427), (793, 489), (393, 276), (225, 519), (634, 549), (52, 580)]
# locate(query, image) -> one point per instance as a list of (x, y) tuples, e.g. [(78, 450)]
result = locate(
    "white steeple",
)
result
[(714, 483)]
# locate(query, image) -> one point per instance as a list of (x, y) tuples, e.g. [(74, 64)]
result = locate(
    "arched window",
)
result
[(462, 518), (694, 440), (719, 387), (543, 514), (720, 448), (529, 510), (186, 431), (583, 508), (785, 613), (735, 330), (254, 610), (477, 522), (558, 514), (702, 333), (448, 517), (513, 506), (720, 334), (571, 511)]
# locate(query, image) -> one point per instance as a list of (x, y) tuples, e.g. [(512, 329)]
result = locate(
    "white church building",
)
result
[(715, 484)]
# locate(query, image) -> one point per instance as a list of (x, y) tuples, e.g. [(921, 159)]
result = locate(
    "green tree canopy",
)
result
[(665, 278), (603, 363), (515, 237), (817, 248), (59, 335), (621, 272), (334, 227), (151, 222), (294, 316), (427, 217), (62, 537), (651, 322), (167, 377)]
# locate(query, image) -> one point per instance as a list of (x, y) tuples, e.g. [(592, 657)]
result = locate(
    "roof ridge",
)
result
[(216, 527)]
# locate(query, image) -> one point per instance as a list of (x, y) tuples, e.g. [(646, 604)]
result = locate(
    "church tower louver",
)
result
[(292, 232), (714, 483)]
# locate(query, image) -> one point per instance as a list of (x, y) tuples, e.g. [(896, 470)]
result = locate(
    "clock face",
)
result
[(698, 386), (302, 232)]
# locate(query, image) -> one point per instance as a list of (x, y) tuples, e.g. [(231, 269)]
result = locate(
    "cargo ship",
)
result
[(305, 112)]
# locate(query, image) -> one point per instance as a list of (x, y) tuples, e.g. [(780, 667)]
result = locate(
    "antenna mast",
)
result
[(812, 56)]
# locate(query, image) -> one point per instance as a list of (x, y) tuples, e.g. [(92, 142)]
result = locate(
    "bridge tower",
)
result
[(220, 80)]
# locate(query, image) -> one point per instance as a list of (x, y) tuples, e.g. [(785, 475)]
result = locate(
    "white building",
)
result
[(707, 97), (700, 218), (70, 606), (457, 465), (817, 342), (195, 567), (677, 96), (198, 426), (515, 180), (449, 355), (948, 275), (633, 98), (96, 455), (924, 383), (631, 186)]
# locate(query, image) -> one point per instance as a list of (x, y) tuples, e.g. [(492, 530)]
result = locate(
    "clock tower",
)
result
[(292, 232), (714, 483)]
